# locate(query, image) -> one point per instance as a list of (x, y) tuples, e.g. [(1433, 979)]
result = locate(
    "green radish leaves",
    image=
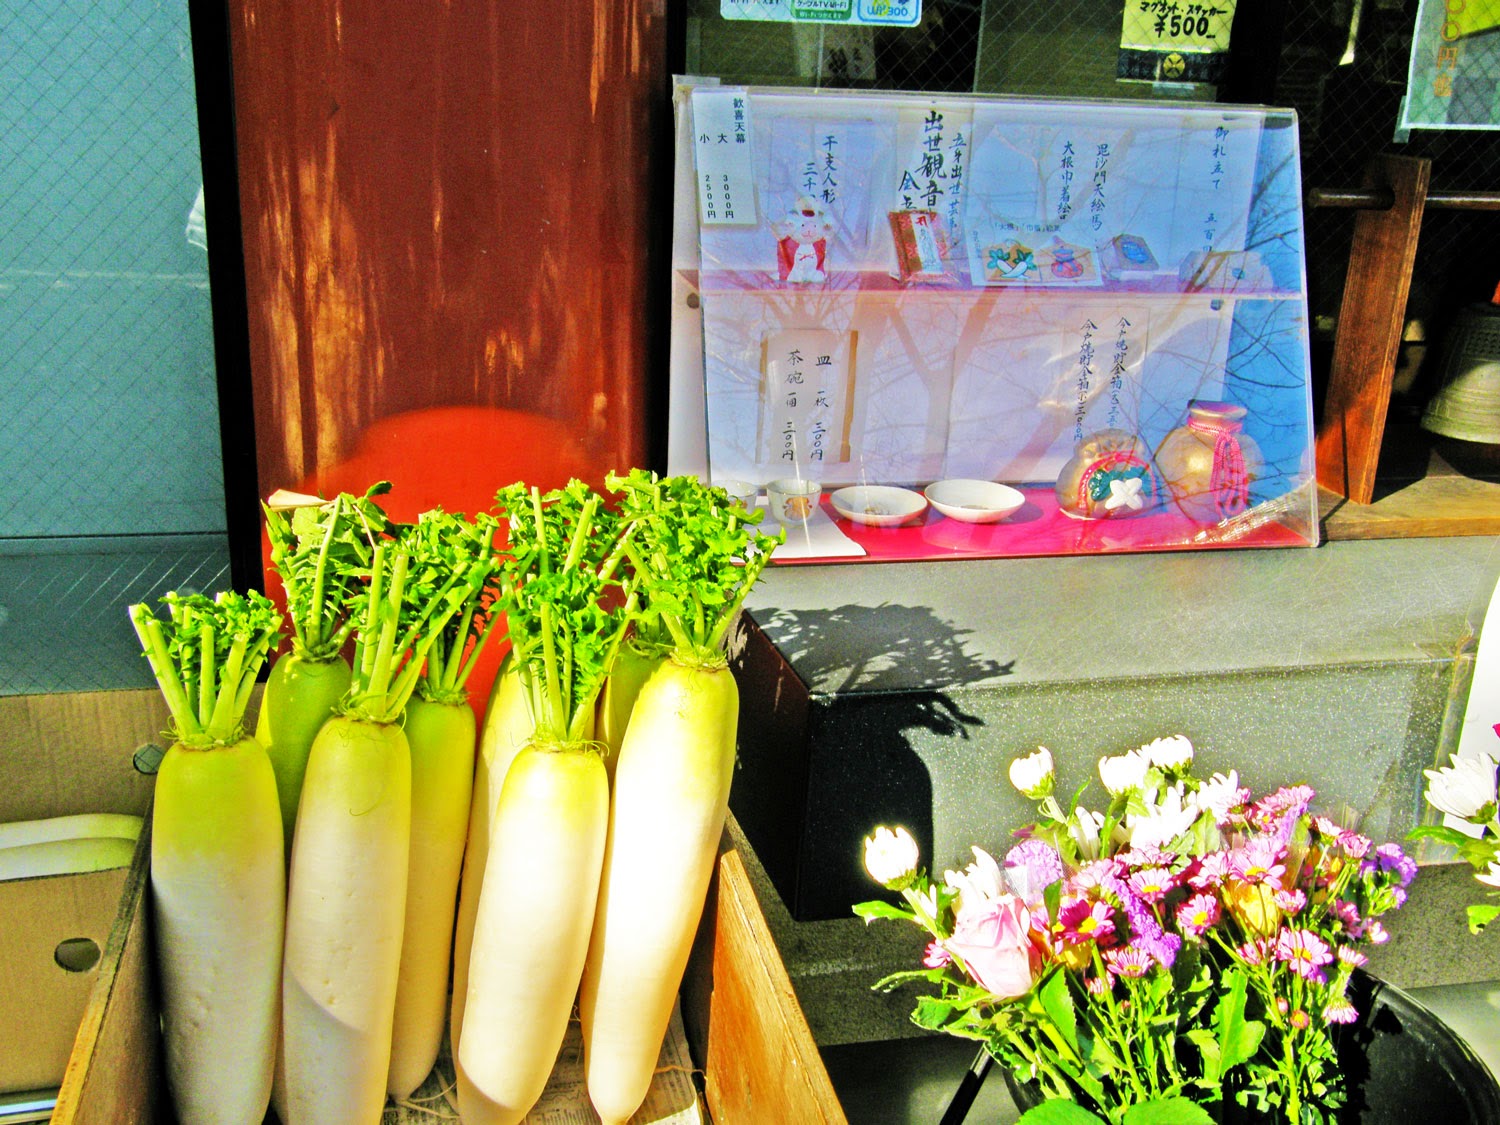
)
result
[(697, 554), (443, 544), (205, 658), (323, 553), (565, 607)]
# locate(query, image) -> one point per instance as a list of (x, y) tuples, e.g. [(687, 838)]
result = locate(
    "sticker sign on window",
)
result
[(888, 13), (721, 142), (1175, 40)]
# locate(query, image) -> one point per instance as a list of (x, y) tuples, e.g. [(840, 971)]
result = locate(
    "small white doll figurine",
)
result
[(802, 242)]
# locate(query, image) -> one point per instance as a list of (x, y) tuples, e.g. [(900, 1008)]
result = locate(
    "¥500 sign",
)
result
[(1175, 40)]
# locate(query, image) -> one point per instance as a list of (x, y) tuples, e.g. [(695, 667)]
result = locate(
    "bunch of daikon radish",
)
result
[(583, 820)]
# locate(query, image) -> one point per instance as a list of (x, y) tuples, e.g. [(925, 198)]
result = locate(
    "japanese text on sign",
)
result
[(887, 13), (721, 136)]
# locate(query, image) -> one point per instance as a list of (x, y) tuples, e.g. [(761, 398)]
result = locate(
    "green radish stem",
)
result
[(217, 872)]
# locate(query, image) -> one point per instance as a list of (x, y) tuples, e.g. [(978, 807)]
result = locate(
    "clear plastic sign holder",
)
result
[(1100, 305)]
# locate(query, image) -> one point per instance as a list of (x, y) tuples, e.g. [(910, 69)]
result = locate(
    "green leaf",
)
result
[(1481, 915), (869, 911), (1058, 1112), (1167, 1111), (1441, 833), (1057, 1005), (1239, 1038)]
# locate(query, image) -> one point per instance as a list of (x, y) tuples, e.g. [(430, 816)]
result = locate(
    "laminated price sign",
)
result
[(887, 13), (1175, 40)]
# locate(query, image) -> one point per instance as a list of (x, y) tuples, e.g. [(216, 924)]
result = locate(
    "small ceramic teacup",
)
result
[(742, 492), (792, 499)]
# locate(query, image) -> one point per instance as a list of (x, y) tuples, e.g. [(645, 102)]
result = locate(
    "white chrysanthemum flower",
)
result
[(1123, 773), (979, 884), (1084, 827), (890, 857), (1172, 816), (1219, 794), (1167, 754), (1033, 774), (1464, 788)]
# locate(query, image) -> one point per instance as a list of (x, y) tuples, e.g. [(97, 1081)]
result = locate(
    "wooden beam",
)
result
[(1369, 330)]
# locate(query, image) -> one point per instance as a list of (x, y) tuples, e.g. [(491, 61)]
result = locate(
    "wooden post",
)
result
[(1369, 328)]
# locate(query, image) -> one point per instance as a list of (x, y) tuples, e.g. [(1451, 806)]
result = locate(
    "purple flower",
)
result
[(1305, 952), (1390, 859), (1146, 856), (1031, 867), (1348, 917), (936, 956), (1254, 951)]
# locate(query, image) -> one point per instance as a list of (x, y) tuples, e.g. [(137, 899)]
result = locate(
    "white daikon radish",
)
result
[(546, 841), (217, 872), (695, 558)]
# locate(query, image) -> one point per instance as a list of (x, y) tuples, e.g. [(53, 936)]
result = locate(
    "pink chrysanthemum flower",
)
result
[(1094, 874), (1211, 871), (1198, 915), (1290, 902), (1304, 951), (1148, 855), (1128, 961), (936, 957), (1299, 1019), (1340, 1011), (1352, 957), (1082, 919), (1255, 951), (1348, 917), (1376, 934), (1328, 829), (1355, 845), (1098, 986), (1259, 861), (1152, 883)]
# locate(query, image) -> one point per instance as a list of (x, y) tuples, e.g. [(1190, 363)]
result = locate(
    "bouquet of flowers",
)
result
[(1465, 790), (1183, 953)]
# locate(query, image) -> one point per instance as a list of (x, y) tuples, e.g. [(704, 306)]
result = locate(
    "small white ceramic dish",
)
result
[(878, 505), (974, 501), (741, 491)]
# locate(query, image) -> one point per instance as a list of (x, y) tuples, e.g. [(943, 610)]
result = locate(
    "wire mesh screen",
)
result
[(110, 424), (1341, 64), (109, 432)]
